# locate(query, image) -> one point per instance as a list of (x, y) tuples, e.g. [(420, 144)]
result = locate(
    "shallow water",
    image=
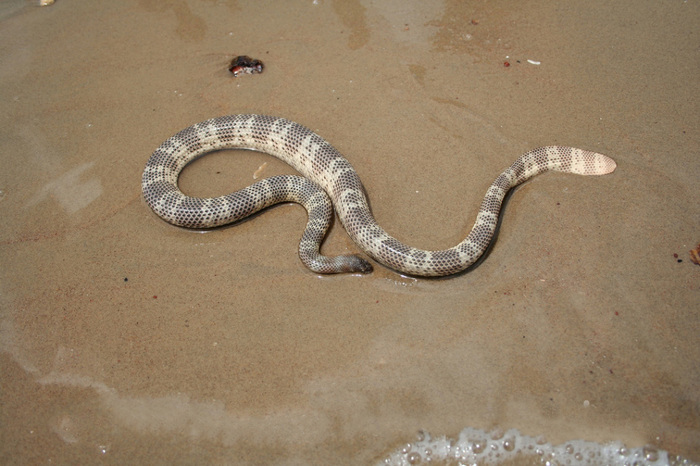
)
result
[(128, 340)]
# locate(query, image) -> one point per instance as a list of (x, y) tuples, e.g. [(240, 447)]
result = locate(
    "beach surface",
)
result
[(127, 340)]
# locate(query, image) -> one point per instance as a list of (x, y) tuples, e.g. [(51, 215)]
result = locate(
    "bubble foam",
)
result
[(478, 447)]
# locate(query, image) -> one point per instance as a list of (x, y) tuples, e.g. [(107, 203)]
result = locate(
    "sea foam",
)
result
[(478, 447)]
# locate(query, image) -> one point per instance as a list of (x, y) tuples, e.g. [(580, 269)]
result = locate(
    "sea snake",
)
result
[(329, 181)]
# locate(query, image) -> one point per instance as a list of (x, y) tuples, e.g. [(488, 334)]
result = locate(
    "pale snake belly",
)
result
[(327, 174)]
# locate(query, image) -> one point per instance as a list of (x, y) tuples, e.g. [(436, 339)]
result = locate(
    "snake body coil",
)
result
[(326, 173)]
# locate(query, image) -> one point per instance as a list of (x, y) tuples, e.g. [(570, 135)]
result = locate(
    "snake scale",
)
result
[(329, 181)]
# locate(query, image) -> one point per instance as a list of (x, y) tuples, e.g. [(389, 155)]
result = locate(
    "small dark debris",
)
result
[(243, 64)]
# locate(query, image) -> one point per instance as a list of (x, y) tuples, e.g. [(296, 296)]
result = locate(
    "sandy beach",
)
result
[(126, 340)]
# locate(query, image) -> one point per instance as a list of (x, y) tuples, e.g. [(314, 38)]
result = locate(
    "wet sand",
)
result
[(127, 340)]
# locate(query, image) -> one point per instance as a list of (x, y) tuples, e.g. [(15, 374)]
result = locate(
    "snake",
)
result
[(329, 184)]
